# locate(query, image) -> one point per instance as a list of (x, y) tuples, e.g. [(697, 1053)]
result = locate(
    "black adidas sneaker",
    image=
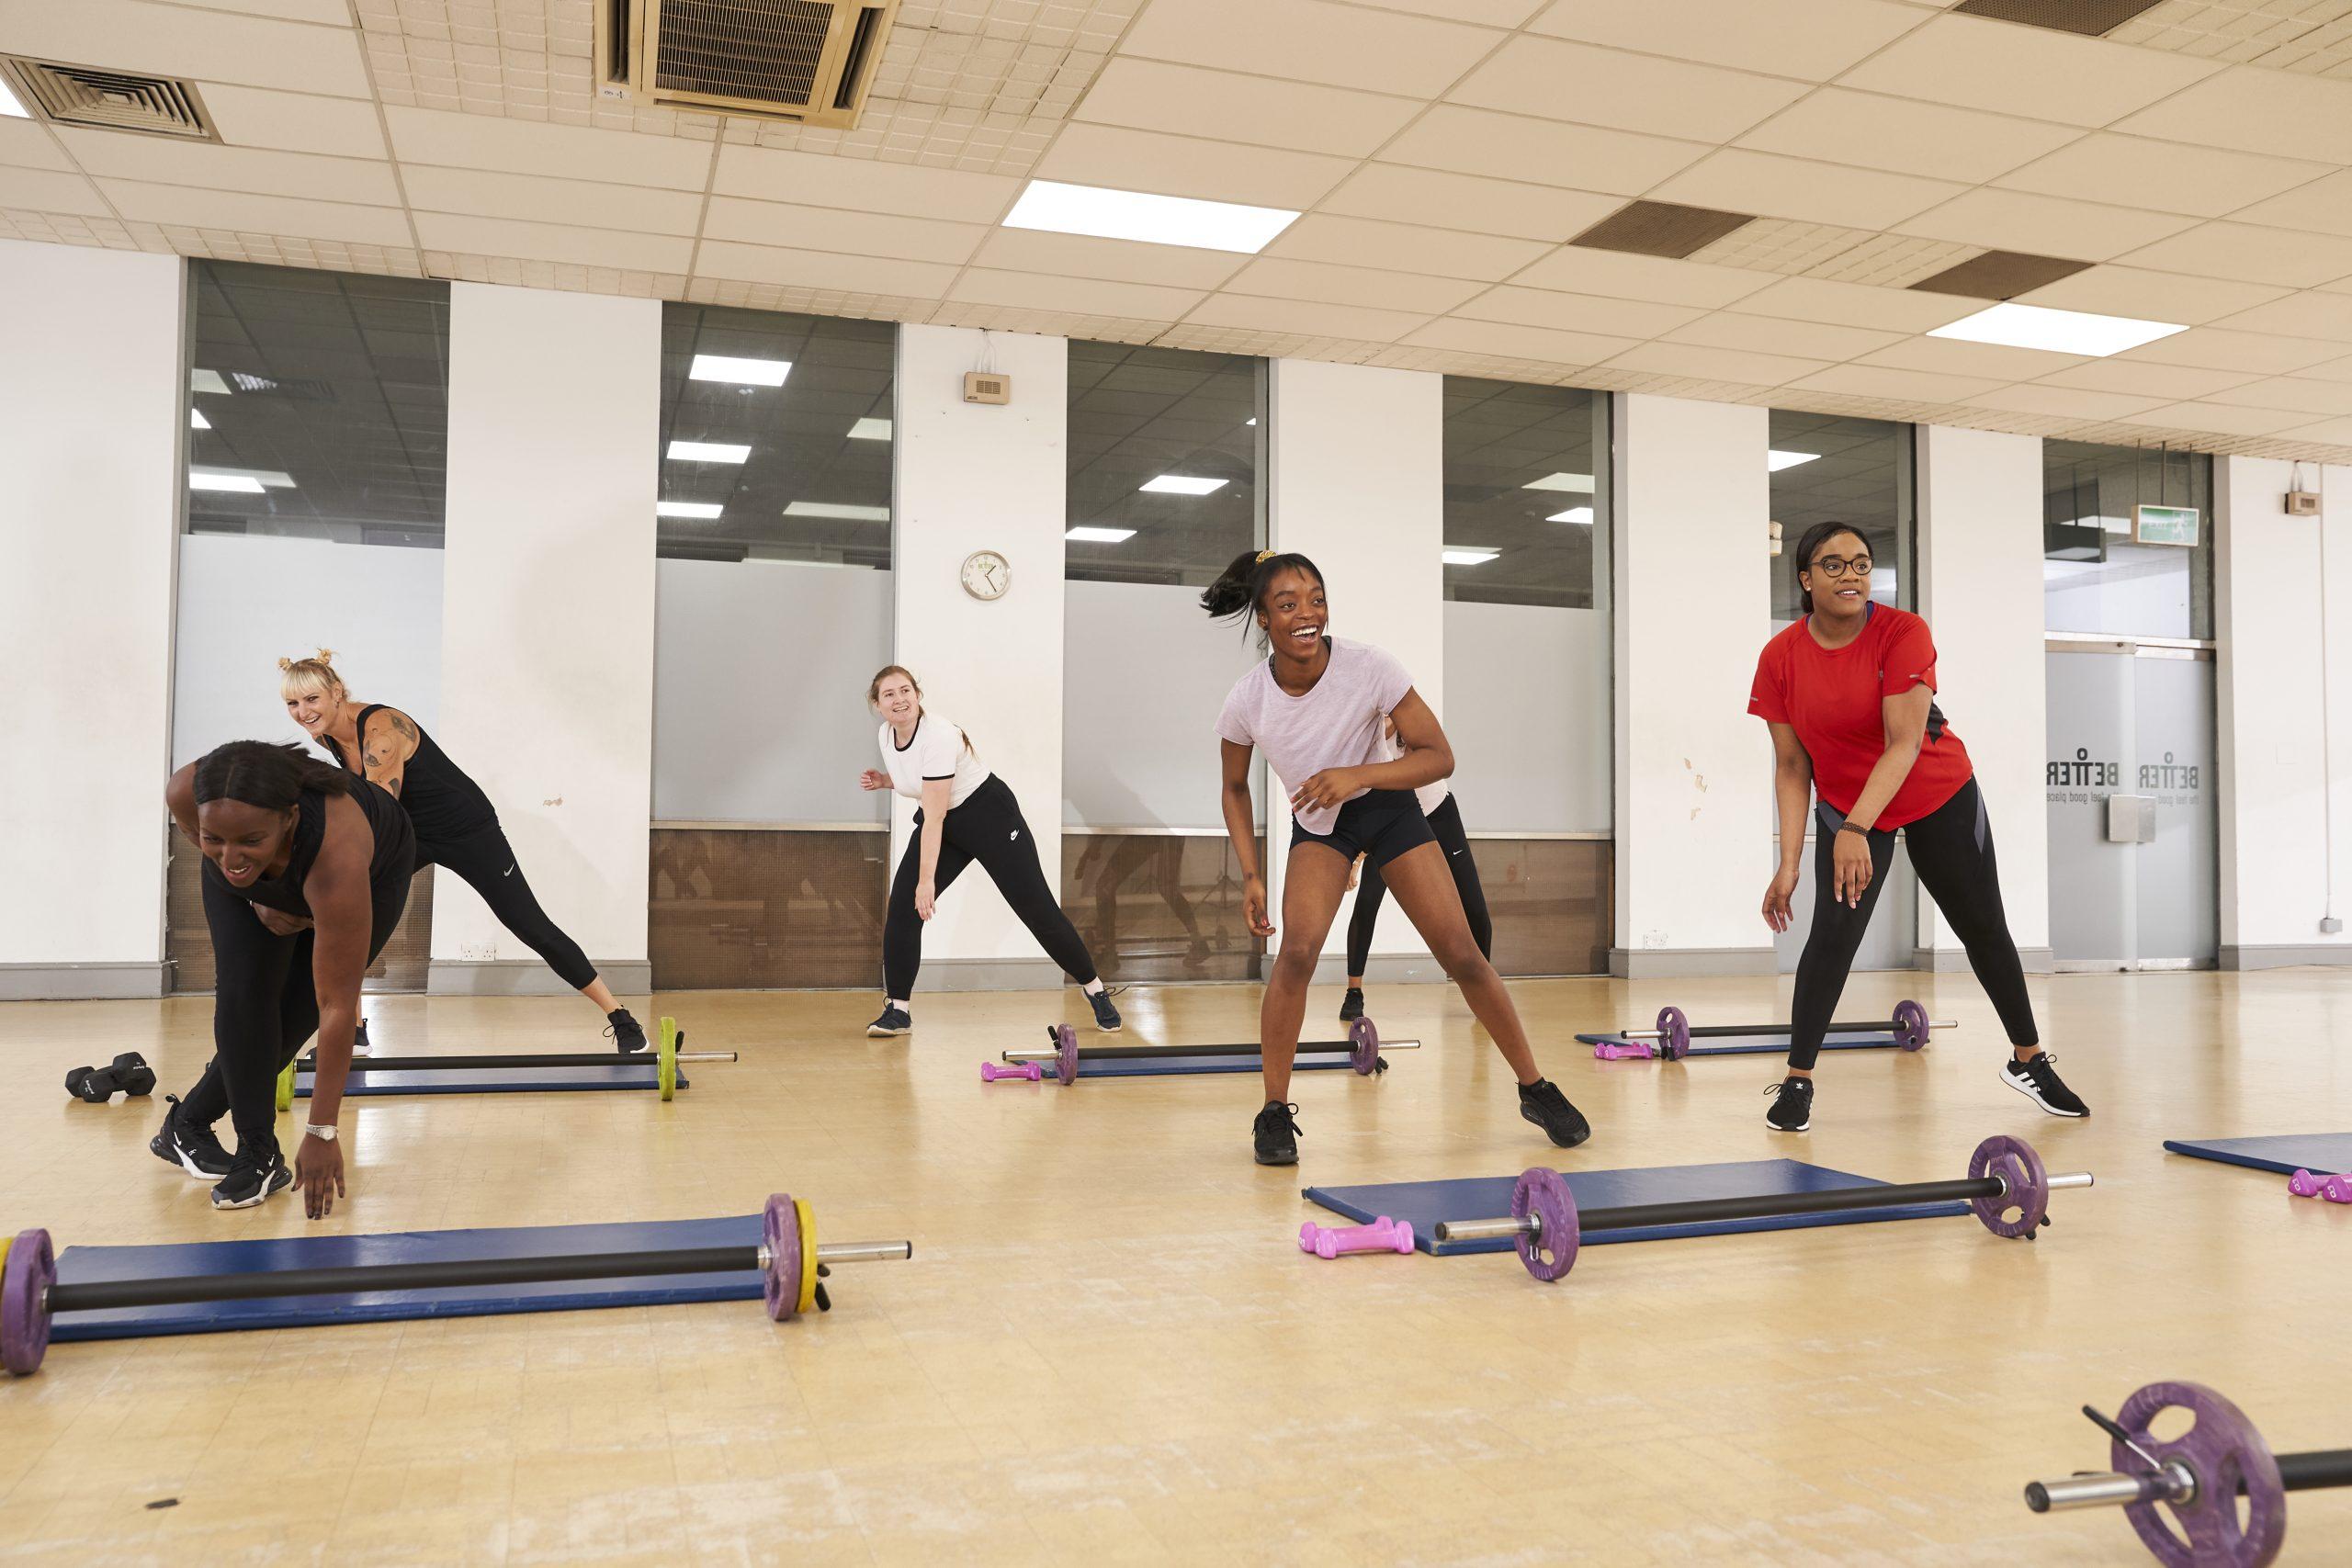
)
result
[(1792, 1110), (2038, 1081)]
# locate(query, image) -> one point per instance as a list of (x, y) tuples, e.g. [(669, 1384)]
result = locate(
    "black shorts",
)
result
[(1379, 824)]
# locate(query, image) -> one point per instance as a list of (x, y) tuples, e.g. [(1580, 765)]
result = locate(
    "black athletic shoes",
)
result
[(1106, 1017), (1352, 1004), (251, 1178), (360, 1045), (2038, 1081), (1543, 1103), (192, 1148), (894, 1021), (1791, 1109), (625, 1032), (1276, 1133)]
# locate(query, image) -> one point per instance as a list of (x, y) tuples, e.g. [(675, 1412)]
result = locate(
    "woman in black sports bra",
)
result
[(457, 826), (306, 871)]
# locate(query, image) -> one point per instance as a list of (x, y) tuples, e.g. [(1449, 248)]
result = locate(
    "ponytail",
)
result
[(1241, 587), (260, 773)]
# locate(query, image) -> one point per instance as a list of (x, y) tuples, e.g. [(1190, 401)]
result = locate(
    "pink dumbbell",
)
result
[(990, 1072), (1383, 1235), (2334, 1189), (1614, 1050)]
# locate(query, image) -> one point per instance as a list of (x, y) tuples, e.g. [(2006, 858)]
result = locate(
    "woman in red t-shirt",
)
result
[(1849, 691)]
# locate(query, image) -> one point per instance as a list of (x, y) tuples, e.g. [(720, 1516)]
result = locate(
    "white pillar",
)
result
[(1694, 609), (91, 426), (984, 477), (547, 619), (1980, 555), (1357, 455)]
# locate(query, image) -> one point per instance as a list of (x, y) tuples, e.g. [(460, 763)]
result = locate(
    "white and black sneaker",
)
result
[(251, 1179), (360, 1045), (1792, 1110), (1106, 1017), (2037, 1078), (192, 1148), (894, 1021)]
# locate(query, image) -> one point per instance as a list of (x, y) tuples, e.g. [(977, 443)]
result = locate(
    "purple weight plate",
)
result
[(1066, 1054), (25, 1280), (2014, 1161), (1673, 1033), (1363, 1040), (1911, 1025), (2224, 1452), (780, 1231), (1540, 1192)]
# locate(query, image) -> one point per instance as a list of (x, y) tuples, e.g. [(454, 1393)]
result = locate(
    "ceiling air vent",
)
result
[(111, 100), (2090, 17), (1660, 229), (809, 62), (1999, 275)]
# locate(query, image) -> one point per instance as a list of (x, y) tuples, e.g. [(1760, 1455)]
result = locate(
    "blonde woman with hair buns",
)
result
[(457, 826)]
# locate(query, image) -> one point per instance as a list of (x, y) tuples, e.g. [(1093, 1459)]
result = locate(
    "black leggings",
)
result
[(1371, 891), (486, 860), (1951, 849), (987, 828), (265, 1006)]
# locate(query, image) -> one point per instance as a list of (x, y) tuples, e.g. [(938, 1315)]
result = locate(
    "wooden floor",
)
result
[(1108, 1348)]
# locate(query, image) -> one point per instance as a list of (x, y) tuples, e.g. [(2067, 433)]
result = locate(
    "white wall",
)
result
[(1145, 674), (377, 606), (759, 671), (1980, 551), (91, 422), (2283, 608), (1694, 770), (1357, 483), (1528, 715), (548, 605), (973, 477)]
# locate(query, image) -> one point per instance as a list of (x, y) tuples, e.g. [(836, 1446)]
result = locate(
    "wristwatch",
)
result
[(325, 1135)]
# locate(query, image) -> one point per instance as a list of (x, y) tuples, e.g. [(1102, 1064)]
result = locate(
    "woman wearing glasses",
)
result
[(1849, 691)]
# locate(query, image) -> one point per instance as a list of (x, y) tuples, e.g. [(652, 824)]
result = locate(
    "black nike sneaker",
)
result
[(194, 1150), (1276, 1133), (1791, 1109), (1106, 1017), (2038, 1081), (1543, 1103), (626, 1032), (253, 1177), (1352, 1004)]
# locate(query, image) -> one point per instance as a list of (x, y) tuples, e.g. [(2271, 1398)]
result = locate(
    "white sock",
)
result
[(1093, 988), (902, 1007)]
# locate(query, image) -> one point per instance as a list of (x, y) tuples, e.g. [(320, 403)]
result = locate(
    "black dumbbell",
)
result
[(129, 1073)]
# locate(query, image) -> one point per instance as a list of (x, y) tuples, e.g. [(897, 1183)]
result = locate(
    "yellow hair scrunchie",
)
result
[(1265, 555)]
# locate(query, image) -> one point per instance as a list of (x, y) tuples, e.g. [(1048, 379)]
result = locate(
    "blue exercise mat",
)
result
[(83, 1265), (633, 1073), (2325, 1153), (1762, 1043), (1423, 1204), (1154, 1067)]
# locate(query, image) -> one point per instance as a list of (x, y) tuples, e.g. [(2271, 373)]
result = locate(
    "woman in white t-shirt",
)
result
[(1315, 707), (965, 814)]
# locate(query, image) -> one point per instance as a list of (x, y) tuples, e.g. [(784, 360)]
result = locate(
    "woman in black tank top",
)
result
[(457, 826), (306, 871)]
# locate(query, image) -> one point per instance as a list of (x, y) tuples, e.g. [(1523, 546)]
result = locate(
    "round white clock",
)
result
[(987, 574)]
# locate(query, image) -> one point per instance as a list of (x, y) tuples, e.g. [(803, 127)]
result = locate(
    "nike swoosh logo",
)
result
[(1012, 836), (510, 869)]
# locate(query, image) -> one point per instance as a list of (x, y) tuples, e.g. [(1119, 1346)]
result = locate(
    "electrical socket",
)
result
[(2329, 925)]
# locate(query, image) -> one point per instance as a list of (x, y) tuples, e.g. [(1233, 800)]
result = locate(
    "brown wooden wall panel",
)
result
[(1552, 903), (744, 908), (399, 967), (1159, 907)]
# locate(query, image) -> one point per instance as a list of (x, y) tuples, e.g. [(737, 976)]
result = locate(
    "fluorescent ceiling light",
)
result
[(206, 381), (739, 372), (700, 511), (1471, 555), (240, 484), (846, 513), (1249, 421), (707, 452), (8, 104), (1182, 484), (1575, 484), (1573, 514), (268, 478), (1100, 536), (1155, 219), (870, 430), (195, 419), (2060, 331), (1776, 461)]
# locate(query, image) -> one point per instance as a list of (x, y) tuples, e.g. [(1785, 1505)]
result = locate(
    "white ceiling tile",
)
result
[(2151, 295), (2295, 394), (294, 122), (2030, 71), (565, 151), (169, 161), (1309, 40), (816, 269), (833, 229), (1509, 342), (1150, 94), (49, 190), (1185, 165), (1441, 253), (1087, 295), (1767, 334), (26, 144), (2215, 348), (2332, 370), (1465, 201), (173, 40), (1384, 291), (196, 208), (2065, 402), (1542, 152), (2165, 383), (1768, 184), (2254, 110), (2249, 252), (1117, 261), (554, 242), (1856, 304), (335, 13), (2045, 225), (819, 180), (1575, 270), (538, 199), (1906, 136), (1485, 13), (2324, 206), (2164, 176), (1305, 317), (2310, 314), (1811, 38), (1630, 319), (1950, 357), (2338, 431), (1714, 364), (1553, 79), (2218, 417), (1902, 386)]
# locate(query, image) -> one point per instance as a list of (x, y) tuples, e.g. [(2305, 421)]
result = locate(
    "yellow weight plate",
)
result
[(808, 1255)]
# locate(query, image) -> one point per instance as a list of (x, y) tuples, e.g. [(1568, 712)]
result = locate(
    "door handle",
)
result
[(2131, 818)]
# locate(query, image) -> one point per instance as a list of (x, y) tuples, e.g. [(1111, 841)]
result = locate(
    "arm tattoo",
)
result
[(400, 722)]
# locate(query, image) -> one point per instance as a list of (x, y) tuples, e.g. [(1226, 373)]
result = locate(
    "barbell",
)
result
[(1675, 1030), (1363, 1044), (666, 1058)]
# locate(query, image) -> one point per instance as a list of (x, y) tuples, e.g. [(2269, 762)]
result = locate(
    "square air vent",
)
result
[(1660, 229), (2093, 18), (1999, 275), (110, 101), (809, 62)]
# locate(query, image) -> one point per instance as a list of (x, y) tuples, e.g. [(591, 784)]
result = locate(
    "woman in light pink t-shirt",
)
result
[(1315, 707)]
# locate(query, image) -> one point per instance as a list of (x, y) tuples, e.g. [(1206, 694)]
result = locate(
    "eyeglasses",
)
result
[(1838, 566)]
